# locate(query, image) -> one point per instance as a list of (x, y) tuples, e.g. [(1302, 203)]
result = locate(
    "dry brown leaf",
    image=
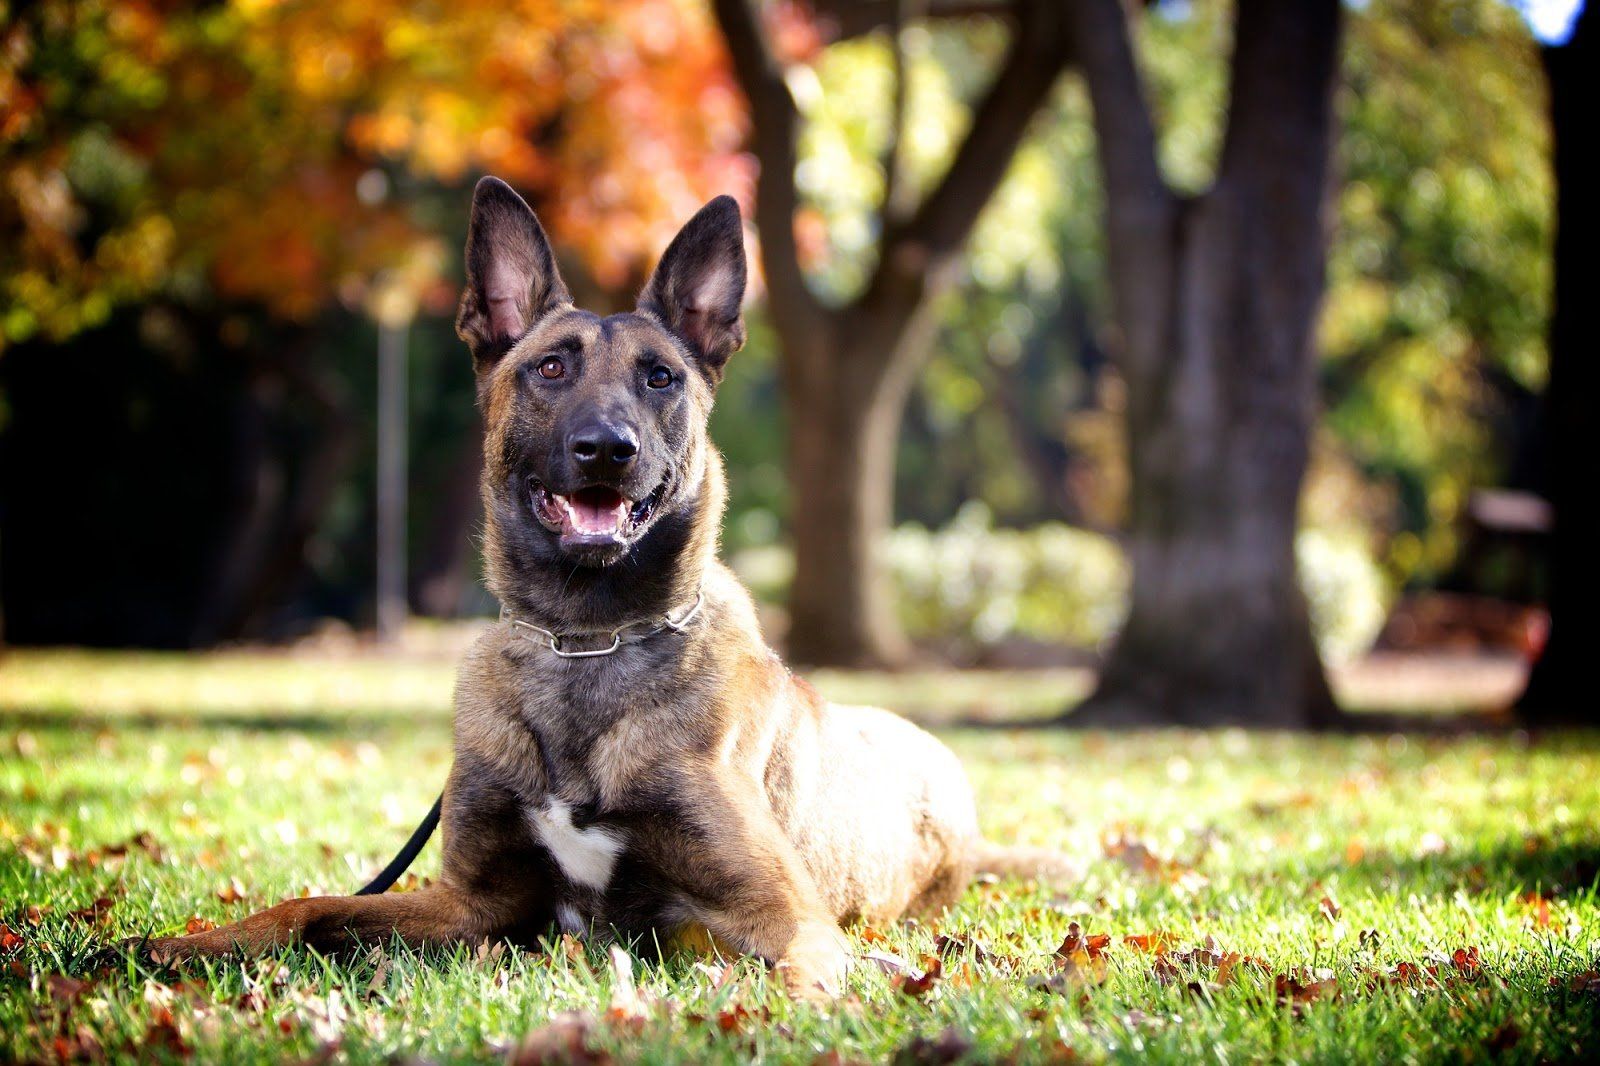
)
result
[(1093, 945), (563, 1041), (918, 985), (65, 990), (951, 1045), (889, 963), (96, 913), (232, 892)]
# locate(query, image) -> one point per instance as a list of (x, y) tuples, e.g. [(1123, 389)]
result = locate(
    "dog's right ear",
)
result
[(512, 278)]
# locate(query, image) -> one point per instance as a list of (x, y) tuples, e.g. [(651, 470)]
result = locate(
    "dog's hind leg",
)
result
[(435, 915)]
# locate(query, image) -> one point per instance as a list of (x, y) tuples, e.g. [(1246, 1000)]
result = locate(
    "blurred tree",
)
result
[(1555, 691), (239, 164), (847, 366), (1215, 298)]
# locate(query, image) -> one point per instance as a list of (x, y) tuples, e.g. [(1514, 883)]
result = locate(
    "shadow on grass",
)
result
[(1519, 867), (296, 720), (1353, 723)]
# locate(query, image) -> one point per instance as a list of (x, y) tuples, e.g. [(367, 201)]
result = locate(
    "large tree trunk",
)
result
[(1217, 427), (1216, 301), (848, 370), (1553, 695)]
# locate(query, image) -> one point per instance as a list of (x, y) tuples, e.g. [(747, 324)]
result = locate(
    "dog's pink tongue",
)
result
[(597, 511)]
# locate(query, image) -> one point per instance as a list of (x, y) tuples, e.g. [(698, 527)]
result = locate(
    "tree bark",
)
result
[(1216, 300), (1553, 694), (847, 370)]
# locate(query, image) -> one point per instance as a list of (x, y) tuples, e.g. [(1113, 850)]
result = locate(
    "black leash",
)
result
[(408, 854)]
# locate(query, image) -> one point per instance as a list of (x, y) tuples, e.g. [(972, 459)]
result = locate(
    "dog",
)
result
[(630, 756)]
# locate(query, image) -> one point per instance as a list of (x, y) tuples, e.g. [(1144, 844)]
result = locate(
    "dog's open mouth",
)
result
[(596, 514)]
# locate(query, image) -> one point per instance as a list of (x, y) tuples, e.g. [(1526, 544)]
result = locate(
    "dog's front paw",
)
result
[(161, 950), (817, 963)]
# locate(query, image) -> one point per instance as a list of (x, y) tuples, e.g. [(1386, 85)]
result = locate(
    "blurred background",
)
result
[(1131, 346)]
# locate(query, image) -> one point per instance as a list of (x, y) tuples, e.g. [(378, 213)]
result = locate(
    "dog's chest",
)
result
[(586, 855)]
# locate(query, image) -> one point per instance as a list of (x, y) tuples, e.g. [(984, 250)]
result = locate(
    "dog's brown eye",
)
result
[(659, 378), (552, 368)]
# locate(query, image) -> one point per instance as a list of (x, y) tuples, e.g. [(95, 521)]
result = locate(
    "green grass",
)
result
[(292, 776)]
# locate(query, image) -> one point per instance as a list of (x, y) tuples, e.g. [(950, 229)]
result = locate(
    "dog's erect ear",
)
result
[(698, 287), (511, 274)]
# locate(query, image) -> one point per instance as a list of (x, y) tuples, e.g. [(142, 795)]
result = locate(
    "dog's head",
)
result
[(595, 428)]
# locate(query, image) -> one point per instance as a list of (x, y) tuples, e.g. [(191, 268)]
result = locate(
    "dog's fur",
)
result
[(688, 783)]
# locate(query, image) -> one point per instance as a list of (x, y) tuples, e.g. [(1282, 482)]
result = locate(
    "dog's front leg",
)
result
[(431, 916), (745, 882)]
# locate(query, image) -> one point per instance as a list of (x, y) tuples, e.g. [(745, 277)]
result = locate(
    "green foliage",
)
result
[(971, 583), (1422, 847), (1439, 280)]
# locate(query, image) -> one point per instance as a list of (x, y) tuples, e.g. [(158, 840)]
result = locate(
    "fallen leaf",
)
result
[(64, 989), (563, 1041), (918, 985), (232, 892), (1297, 988), (198, 924), (889, 963), (1505, 1037), (96, 913), (1093, 945), (1329, 909), (1155, 943), (949, 1046), (627, 1005), (380, 976), (9, 941)]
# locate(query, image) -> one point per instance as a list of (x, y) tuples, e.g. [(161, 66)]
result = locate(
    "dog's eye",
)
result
[(551, 368), (659, 378)]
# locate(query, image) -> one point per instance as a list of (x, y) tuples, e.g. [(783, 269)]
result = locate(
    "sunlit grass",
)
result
[(292, 780)]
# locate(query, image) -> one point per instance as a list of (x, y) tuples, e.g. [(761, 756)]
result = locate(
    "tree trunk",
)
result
[(847, 370), (844, 403), (1217, 300), (1553, 695)]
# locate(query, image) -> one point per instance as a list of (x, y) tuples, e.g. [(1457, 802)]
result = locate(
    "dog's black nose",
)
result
[(602, 449)]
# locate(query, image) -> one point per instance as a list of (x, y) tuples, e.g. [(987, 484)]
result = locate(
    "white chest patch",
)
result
[(586, 856)]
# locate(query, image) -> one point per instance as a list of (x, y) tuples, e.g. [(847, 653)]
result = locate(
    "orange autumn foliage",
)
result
[(249, 148)]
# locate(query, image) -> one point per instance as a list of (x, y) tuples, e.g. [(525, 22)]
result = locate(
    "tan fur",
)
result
[(723, 801)]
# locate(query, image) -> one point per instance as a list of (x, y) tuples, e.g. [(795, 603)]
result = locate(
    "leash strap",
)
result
[(408, 854)]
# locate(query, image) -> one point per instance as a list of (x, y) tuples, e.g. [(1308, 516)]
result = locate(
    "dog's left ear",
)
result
[(698, 287)]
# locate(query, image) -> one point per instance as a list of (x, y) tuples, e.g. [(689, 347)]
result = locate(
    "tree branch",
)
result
[(1138, 200), (774, 122), (924, 243), (890, 208)]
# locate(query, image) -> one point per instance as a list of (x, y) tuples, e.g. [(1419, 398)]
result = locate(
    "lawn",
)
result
[(1259, 896)]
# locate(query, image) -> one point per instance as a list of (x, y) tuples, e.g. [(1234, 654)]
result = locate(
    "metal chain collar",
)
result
[(543, 636)]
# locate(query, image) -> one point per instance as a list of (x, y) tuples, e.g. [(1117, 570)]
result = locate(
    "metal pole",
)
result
[(391, 480)]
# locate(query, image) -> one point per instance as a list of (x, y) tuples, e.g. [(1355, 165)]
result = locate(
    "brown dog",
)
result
[(629, 754)]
